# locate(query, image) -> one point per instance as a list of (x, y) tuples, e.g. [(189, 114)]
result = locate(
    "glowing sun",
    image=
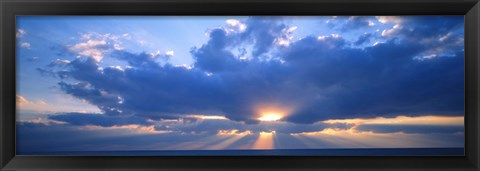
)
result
[(269, 117)]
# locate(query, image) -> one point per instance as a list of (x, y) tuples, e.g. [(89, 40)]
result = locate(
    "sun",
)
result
[(270, 117)]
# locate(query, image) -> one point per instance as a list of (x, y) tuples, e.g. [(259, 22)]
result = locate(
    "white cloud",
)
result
[(236, 25), (425, 57), (207, 117), (155, 54), (234, 132), (377, 43), (169, 53), (389, 32), (128, 129), (389, 19), (94, 53), (67, 104), (95, 45), (21, 100), (119, 68), (60, 62), (443, 38), (120, 100), (117, 46), (23, 103), (188, 67), (287, 37), (20, 33), (90, 48), (163, 56), (89, 44), (43, 121), (25, 45), (371, 23), (335, 36)]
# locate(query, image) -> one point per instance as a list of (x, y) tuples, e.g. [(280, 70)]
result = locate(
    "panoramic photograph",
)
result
[(240, 85)]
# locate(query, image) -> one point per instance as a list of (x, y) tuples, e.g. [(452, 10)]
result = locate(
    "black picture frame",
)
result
[(10, 8)]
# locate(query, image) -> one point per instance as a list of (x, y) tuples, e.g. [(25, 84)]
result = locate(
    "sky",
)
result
[(120, 83)]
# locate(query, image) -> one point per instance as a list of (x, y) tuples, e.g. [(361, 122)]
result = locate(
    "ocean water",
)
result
[(278, 152)]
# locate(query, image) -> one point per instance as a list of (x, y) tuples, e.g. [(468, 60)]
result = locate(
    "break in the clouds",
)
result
[(252, 70)]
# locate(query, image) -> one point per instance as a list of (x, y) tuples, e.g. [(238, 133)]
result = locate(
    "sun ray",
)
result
[(233, 136), (264, 141), (226, 143)]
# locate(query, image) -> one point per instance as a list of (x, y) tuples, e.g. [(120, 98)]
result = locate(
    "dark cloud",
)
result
[(58, 62), (67, 138), (316, 78), (418, 27), (141, 60), (365, 38), (212, 126), (36, 138), (419, 129), (58, 139), (107, 103), (98, 119), (379, 80), (46, 72), (213, 56), (345, 24), (261, 32)]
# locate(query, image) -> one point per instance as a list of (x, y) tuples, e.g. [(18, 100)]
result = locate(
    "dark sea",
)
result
[(278, 152)]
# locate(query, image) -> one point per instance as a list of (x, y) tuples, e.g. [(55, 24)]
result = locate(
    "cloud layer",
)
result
[(313, 79)]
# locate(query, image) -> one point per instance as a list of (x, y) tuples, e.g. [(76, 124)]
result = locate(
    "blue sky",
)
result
[(238, 82)]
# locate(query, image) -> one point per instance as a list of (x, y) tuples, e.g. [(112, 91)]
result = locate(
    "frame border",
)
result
[(10, 8)]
